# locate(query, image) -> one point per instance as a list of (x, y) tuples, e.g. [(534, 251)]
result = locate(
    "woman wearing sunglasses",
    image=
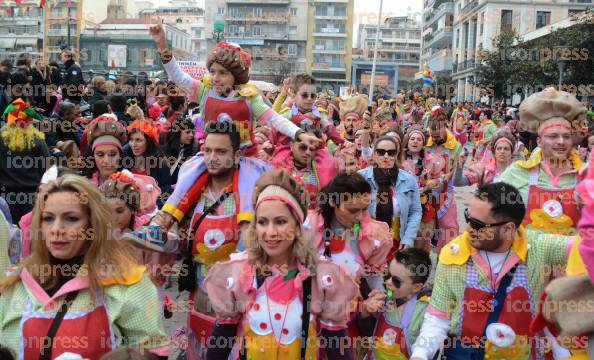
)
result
[(395, 198), (263, 294), (313, 168)]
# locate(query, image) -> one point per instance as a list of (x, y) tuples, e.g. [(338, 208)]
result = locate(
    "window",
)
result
[(233, 29), (481, 31), (257, 12), (221, 11), (543, 18), (293, 11), (292, 50), (292, 30), (256, 30), (506, 20), (235, 12)]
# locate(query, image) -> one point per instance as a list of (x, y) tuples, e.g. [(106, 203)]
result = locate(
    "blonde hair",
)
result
[(98, 82), (135, 112), (110, 87), (302, 250), (104, 249)]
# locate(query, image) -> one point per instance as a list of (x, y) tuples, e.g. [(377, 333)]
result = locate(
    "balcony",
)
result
[(443, 9), (440, 38), (332, 1), (464, 65), (330, 67), (259, 38), (330, 32), (265, 18), (440, 60), (469, 8), (328, 50), (60, 32)]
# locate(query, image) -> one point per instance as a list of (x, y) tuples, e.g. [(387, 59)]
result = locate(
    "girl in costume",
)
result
[(104, 154), (486, 130), (261, 295), (343, 231), (459, 122), (95, 282), (395, 193), (224, 90), (19, 139)]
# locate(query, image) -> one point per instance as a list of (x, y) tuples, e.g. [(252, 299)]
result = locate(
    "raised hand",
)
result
[(157, 32)]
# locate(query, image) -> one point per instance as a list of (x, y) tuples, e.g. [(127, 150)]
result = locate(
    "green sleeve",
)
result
[(4, 240), (140, 320), (552, 247), (414, 327), (259, 107), (442, 296), (490, 131), (518, 177)]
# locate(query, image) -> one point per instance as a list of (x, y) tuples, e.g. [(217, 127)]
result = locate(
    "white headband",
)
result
[(275, 192)]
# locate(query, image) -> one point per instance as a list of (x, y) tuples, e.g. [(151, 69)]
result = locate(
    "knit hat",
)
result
[(103, 130), (550, 104), (356, 104)]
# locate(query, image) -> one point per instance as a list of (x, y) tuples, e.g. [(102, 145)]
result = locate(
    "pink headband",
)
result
[(418, 132), (540, 131), (511, 145), (275, 192), (106, 140)]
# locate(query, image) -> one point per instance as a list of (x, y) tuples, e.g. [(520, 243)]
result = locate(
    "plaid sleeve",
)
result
[(443, 297), (140, 321), (553, 248)]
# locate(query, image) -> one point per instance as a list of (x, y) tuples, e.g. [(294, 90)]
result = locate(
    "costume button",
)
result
[(263, 326), (277, 316)]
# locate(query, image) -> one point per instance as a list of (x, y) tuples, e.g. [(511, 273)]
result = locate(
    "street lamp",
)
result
[(219, 29), (378, 29), (560, 63)]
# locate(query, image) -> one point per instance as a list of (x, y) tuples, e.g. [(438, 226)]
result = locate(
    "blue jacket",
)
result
[(407, 193)]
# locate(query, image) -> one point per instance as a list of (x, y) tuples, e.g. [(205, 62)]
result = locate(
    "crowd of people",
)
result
[(303, 225)]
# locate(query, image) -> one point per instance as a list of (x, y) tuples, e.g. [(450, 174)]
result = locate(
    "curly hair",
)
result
[(303, 251), (230, 59)]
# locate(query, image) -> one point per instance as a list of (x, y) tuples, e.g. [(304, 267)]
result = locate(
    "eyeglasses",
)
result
[(382, 152), (306, 95), (396, 281), (477, 224)]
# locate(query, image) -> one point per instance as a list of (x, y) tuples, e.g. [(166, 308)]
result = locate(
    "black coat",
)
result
[(73, 82)]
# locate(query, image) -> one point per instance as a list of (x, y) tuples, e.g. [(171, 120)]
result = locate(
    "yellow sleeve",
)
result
[(278, 103)]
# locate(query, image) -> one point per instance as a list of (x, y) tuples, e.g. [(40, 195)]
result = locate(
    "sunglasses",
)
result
[(477, 224), (306, 95), (304, 147), (382, 152), (396, 281)]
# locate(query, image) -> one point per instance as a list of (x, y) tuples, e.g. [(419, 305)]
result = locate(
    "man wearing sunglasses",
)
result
[(547, 180), (492, 274)]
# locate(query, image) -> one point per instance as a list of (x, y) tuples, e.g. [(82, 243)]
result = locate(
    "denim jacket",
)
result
[(407, 194)]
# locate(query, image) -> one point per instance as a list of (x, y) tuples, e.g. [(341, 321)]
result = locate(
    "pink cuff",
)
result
[(161, 351), (263, 120), (440, 314)]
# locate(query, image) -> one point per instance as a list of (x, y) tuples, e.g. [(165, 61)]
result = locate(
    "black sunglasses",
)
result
[(304, 147), (306, 95), (477, 224), (382, 152), (395, 280)]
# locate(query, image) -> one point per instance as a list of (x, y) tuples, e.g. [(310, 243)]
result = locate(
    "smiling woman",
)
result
[(74, 246)]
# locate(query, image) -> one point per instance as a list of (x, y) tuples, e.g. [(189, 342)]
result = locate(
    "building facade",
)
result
[(62, 28), (438, 21), (125, 45), (21, 29), (272, 31), (329, 42), (398, 56), (184, 15), (477, 22)]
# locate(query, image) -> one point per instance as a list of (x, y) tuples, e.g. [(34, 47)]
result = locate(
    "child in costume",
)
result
[(396, 328), (224, 90)]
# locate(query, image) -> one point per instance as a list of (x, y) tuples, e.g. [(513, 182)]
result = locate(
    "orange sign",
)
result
[(380, 79)]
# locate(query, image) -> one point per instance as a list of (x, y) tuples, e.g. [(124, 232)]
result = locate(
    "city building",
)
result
[(62, 28), (126, 45), (97, 11), (187, 16), (398, 55), (21, 29), (274, 32), (330, 39), (438, 20), (478, 22)]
